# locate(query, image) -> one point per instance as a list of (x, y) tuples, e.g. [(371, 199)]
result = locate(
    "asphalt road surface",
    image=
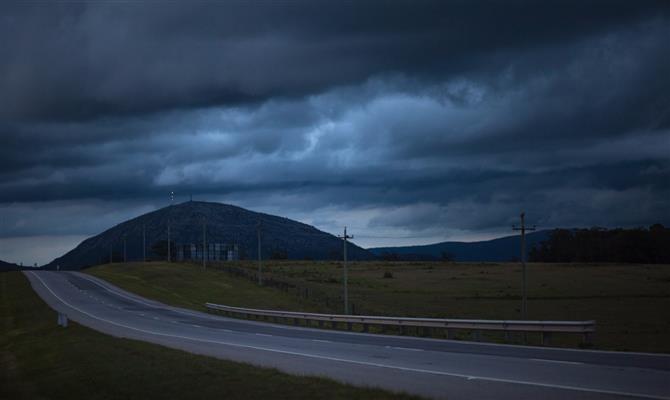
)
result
[(428, 367)]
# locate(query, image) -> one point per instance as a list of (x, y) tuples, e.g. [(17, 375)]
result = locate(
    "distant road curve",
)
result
[(427, 367)]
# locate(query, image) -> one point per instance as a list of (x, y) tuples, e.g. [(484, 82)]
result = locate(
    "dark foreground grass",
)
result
[(629, 302), (39, 360)]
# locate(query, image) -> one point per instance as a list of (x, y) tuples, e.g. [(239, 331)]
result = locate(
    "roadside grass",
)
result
[(39, 360), (188, 285), (627, 301)]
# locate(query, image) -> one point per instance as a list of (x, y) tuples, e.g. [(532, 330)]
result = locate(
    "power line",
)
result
[(392, 237)]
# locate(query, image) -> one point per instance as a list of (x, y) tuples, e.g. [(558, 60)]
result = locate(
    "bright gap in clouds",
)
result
[(28, 250)]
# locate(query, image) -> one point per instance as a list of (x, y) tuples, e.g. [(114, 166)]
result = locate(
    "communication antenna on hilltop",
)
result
[(346, 289), (523, 228)]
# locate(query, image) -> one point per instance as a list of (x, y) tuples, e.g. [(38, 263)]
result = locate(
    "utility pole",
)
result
[(524, 298), (204, 243), (258, 231), (168, 239), (346, 289), (144, 243)]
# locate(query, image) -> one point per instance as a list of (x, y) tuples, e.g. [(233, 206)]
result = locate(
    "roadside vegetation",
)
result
[(40, 360), (626, 300), (638, 245)]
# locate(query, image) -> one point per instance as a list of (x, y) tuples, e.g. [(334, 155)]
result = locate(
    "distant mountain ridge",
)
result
[(225, 224), (496, 250)]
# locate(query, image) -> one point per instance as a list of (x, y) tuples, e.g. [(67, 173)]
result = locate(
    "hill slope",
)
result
[(496, 250), (225, 224)]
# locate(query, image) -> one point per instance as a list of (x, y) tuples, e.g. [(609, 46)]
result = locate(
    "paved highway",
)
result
[(427, 367)]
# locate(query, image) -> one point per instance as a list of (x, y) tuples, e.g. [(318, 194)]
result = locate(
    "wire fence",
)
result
[(319, 297)]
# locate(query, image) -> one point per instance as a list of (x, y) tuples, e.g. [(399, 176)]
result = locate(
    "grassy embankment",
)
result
[(627, 301), (39, 360)]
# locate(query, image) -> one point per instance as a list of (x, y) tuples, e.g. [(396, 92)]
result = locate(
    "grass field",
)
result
[(39, 360), (627, 301)]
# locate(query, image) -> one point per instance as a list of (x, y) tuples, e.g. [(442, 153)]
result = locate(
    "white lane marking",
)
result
[(402, 348), (81, 275), (156, 318), (196, 326), (263, 334), (160, 307), (557, 361), (141, 315), (321, 341), (105, 286), (366, 363)]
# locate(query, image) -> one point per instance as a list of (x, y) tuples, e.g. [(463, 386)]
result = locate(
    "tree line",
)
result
[(641, 245)]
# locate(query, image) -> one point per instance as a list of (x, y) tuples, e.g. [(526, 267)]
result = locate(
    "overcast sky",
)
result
[(409, 122)]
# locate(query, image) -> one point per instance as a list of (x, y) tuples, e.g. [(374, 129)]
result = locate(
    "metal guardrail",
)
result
[(545, 328)]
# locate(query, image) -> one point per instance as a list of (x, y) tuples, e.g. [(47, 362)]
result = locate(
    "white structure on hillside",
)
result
[(213, 252)]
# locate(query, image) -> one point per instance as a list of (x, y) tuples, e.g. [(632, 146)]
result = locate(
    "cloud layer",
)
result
[(409, 123)]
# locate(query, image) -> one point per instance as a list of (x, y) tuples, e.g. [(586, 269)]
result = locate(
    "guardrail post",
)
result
[(321, 323), (295, 321), (476, 335), (507, 336), (403, 330), (545, 338), (588, 337), (348, 326), (366, 327), (62, 320)]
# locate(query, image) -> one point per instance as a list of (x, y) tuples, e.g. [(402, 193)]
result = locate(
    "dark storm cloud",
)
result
[(67, 61), (425, 122)]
